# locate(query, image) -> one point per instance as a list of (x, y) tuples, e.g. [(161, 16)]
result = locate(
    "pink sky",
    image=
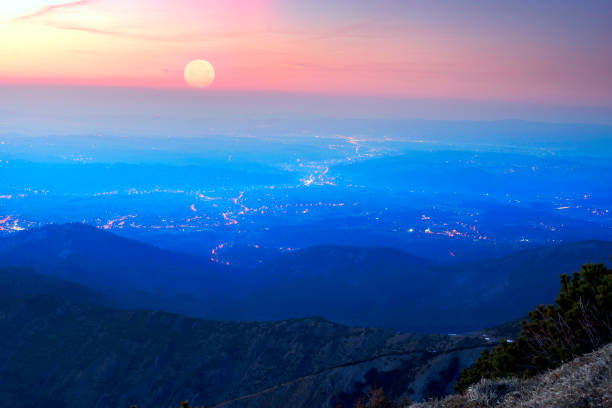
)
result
[(549, 52)]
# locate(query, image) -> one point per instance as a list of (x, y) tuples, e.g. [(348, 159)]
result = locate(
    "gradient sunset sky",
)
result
[(546, 51)]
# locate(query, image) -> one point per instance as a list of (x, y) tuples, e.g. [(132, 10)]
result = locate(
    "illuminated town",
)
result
[(231, 205)]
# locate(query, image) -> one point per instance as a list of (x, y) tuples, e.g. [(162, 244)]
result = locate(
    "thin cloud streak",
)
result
[(181, 37), (49, 9)]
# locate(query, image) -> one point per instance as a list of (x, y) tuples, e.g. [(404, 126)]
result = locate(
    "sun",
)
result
[(199, 74)]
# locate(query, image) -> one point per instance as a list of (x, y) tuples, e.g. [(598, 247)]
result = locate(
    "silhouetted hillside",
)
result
[(507, 288), (17, 284), (348, 284), (378, 287), (390, 288), (54, 353), (132, 273)]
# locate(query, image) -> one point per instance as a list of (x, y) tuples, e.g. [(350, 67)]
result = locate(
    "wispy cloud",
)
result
[(175, 37), (50, 9), (51, 16), (101, 31), (47, 16), (377, 67)]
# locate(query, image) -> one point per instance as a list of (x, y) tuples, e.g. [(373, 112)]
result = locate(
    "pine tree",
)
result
[(580, 322)]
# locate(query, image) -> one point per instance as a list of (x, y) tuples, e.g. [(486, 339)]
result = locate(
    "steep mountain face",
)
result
[(377, 287), (130, 273), (56, 353), (390, 288), (62, 346), (19, 283), (96, 258), (479, 293), (365, 286)]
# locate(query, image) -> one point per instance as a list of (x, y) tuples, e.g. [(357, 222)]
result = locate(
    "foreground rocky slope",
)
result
[(56, 352), (583, 382)]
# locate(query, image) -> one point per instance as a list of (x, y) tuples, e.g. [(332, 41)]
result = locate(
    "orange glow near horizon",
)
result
[(286, 45)]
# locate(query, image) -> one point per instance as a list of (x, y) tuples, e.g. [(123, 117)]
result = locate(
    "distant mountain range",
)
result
[(70, 335), (378, 287), (128, 272), (390, 288), (57, 349), (476, 172)]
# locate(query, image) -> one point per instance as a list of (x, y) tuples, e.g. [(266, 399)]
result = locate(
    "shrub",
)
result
[(580, 322)]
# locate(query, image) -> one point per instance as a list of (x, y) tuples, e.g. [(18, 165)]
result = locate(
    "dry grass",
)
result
[(581, 383)]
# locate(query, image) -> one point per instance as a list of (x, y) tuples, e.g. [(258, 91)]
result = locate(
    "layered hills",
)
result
[(88, 318), (58, 350), (377, 287)]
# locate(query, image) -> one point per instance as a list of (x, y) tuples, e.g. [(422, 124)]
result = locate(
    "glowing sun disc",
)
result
[(199, 74)]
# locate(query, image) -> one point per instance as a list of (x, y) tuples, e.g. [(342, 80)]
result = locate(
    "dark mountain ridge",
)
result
[(18, 283), (390, 288), (379, 287), (129, 272), (56, 353)]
